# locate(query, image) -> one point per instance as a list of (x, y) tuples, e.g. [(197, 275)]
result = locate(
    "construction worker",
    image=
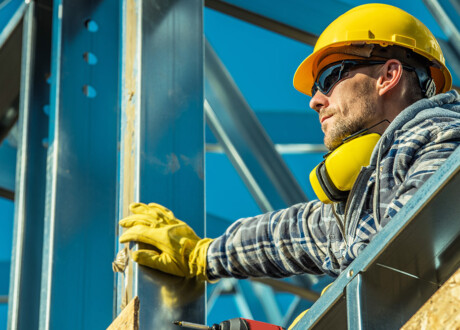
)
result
[(378, 81)]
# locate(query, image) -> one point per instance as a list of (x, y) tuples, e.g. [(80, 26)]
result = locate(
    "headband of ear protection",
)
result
[(334, 177)]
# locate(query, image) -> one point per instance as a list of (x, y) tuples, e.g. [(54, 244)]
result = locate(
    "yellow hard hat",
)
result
[(379, 24)]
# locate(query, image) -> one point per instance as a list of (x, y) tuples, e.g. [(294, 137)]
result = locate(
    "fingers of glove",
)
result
[(163, 262), (141, 208), (143, 254), (163, 209), (164, 213), (141, 234), (155, 210), (141, 219), (159, 238), (133, 221)]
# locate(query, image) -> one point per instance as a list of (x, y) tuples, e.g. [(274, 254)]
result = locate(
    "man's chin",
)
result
[(332, 145), (334, 138)]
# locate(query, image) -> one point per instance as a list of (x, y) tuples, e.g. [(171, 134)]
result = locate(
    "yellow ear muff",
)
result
[(334, 177)]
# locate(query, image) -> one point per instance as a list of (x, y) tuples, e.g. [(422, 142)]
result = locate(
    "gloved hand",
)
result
[(176, 248)]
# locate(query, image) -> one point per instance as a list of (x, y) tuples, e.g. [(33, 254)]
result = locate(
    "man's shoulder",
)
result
[(437, 124), (429, 129)]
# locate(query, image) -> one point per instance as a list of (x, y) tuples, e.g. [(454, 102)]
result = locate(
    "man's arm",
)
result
[(276, 244)]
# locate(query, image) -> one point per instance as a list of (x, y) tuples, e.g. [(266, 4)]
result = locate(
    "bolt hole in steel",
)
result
[(89, 91), (90, 58), (91, 25)]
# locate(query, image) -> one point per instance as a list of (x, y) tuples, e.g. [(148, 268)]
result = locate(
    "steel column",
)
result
[(81, 170), (263, 21), (162, 141), (24, 294)]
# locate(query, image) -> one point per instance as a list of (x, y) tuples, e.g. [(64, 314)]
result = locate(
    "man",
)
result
[(375, 69)]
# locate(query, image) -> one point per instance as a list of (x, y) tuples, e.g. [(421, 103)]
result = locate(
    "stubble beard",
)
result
[(344, 127)]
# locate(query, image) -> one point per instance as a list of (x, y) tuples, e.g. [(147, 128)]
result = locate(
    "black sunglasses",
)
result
[(335, 72), (332, 74)]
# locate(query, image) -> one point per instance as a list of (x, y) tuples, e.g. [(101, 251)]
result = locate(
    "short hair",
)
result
[(409, 58), (414, 91)]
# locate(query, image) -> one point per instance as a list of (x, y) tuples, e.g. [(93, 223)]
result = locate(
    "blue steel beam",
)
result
[(79, 231), (262, 21), (25, 280), (161, 155), (287, 17)]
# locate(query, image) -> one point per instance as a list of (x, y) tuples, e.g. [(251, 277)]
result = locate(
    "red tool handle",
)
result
[(246, 324), (257, 325)]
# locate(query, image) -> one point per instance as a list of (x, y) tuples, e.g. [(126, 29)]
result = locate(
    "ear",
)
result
[(390, 75)]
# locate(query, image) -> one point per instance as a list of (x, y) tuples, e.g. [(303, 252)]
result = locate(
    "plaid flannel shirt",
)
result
[(320, 238)]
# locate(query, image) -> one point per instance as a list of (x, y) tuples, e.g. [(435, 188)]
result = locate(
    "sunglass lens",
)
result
[(329, 78)]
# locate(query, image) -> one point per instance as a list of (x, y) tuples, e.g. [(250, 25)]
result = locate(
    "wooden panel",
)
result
[(442, 310)]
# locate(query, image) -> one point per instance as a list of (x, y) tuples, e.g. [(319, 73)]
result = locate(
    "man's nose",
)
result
[(319, 101)]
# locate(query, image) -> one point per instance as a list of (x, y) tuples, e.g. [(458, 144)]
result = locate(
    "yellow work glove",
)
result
[(176, 249)]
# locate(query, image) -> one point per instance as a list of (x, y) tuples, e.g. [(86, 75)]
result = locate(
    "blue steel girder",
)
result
[(26, 262), (79, 228), (161, 156), (288, 18)]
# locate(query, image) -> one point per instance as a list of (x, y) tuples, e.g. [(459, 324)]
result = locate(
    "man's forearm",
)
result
[(273, 244)]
